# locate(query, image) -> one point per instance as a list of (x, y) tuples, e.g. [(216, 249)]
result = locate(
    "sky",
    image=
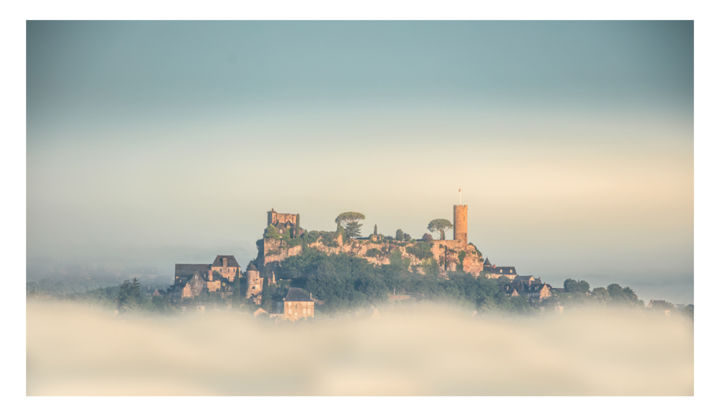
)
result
[(155, 143)]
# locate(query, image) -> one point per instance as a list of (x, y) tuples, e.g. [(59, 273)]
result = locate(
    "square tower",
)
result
[(460, 219)]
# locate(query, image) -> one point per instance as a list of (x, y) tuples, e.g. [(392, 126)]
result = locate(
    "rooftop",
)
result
[(230, 260), (297, 294)]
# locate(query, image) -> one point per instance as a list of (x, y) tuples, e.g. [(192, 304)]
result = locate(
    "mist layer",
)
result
[(75, 349)]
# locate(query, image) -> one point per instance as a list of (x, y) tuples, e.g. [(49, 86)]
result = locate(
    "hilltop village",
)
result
[(285, 239)]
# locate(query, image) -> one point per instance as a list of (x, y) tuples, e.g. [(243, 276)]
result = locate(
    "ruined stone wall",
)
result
[(276, 218), (447, 253), (276, 250)]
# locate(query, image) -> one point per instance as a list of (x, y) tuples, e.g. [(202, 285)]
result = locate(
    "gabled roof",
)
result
[(187, 270), (230, 260), (525, 277), (502, 270), (297, 294), (487, 261)]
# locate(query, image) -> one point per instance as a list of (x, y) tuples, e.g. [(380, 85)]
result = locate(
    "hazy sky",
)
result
[(151, 143)]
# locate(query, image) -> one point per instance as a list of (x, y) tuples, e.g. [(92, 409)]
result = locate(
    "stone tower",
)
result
[(460, 220), (254, 284)]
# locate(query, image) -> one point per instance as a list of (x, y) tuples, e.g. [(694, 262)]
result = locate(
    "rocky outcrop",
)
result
[(448, 255)]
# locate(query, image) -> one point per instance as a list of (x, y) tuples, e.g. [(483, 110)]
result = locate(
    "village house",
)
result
[(494, 272), (191, 279), (530, 287), (298, 304), (225, 266)]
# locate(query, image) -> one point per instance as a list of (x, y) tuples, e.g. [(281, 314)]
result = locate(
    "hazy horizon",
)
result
[(155, 143)]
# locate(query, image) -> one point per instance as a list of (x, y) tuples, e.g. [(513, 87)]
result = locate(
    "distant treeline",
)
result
[(68, 285)]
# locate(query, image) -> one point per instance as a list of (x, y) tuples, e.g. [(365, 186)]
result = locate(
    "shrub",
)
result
[(421, 250), (271, 232)]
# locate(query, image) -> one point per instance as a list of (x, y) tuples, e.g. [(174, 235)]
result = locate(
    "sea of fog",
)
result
[(420, 349)]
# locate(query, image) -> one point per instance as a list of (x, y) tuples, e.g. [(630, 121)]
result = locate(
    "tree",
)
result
[(130, 295), (439, 225), (427, 237), (352, 229), (615, 292), (349, 222), (631, 296), (622, 295), (271, 232), (600, 294), (570, 285), (661, 305)]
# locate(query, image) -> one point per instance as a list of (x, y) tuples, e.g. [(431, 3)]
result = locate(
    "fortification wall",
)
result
[(449, 254), (276, 218)]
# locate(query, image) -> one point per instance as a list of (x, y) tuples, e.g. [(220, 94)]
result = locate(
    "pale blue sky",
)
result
[(152, 142)]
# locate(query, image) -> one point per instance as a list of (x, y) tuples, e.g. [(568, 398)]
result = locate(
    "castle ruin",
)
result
[(283, 238)]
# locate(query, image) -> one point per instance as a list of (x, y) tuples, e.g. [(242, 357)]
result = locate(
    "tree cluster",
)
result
[(579, 291), (343, 281)]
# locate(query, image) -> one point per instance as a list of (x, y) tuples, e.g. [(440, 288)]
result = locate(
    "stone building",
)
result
[(185, 272), (225, 266), (494, 272), (285, 221), (191, 279), (298, 304), (194, 286), (539, 292), (526, 280), (530, 287), (254, 284), (460, 223)]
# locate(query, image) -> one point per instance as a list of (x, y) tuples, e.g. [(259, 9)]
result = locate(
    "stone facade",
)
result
[(213, 285), (191, 279), (530, 287), (225, 266), (296, 310), (495, 272), (194, 286), (298, 304), (254, 285), (460, 223), (283, 220)]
